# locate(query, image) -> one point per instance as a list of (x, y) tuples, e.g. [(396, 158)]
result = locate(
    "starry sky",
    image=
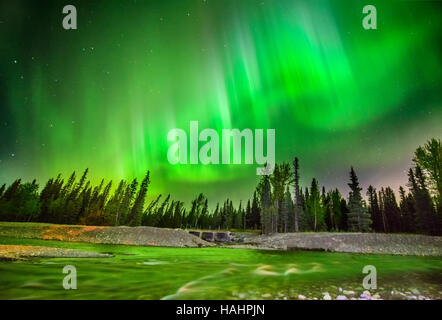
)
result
[(104, 96)]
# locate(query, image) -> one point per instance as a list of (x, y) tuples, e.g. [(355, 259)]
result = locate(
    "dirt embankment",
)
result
[(142, 236), (13, 252), (401, 244), (148, 236)]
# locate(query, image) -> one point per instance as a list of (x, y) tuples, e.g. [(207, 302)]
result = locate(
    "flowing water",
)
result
[(212, 273)]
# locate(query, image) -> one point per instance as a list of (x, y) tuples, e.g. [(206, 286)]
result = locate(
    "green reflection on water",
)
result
[(210, 273)]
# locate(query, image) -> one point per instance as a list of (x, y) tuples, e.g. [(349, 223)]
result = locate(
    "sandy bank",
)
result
[(402, 244), (142, 236), (14, 252)]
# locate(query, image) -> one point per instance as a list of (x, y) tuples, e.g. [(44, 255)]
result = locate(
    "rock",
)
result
[(17, 252), (266, 295), (415, 291), (341, 298), (376, 296), (327, 297), (301, 297), (340, 289), (348, 292), (367, 293)]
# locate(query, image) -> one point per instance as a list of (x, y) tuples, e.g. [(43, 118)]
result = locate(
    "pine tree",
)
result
[(124, 209), (329, 212), (374, 209), (216, 218), (338, 214), (267, 212), (159, 213), (315, 212), (297, 204), (256, 213), (408, 213), (429, 159), (148, 215), (358, 217), (2, 189), (68, 186), (12, 190), (391, 210), (280, 178), (286, 209), (114, 203), (138, 206), (426, 221)]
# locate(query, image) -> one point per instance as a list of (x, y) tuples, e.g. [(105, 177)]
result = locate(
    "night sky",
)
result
[(105, 96)]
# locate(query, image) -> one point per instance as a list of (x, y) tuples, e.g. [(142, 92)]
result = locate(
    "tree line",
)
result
[(278, 204)]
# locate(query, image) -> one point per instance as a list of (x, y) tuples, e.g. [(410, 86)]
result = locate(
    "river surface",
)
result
[(214, 273)]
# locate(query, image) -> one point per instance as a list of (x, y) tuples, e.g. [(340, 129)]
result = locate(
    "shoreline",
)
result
[(362, 243)]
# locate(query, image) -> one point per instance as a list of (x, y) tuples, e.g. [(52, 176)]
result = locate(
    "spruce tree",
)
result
[(429, 159), (124, 209), (426, 221), (358, 217), (256, 213), (286, 209), (2, 189), (408, 213), (297, 204), (266, 206), (138, 206), (373, 208), (315, 212)]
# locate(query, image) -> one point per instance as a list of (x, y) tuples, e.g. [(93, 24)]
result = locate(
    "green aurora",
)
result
[(105, 96)]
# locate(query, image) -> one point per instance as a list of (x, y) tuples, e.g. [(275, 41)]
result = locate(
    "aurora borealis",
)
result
[(105, 96)]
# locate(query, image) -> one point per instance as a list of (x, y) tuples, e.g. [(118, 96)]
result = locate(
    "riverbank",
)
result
[(20, 252), (373, 243), (138, 236)]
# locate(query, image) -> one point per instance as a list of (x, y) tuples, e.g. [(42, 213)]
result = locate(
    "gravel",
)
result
[(142, 236), (401, 244), (15, 252)]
